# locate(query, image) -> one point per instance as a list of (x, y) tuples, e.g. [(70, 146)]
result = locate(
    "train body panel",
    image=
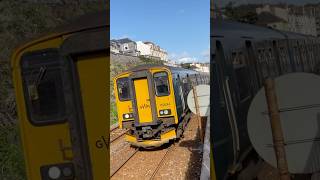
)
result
[(151, 103), (242, 56), (61, 129)]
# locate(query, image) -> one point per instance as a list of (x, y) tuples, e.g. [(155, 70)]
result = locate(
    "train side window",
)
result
[(243, 82), (161, 83), (44, 83), (123, 89)]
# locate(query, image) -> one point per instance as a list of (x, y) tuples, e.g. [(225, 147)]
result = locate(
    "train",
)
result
[(242, 57), (152, 102), (62, 100)]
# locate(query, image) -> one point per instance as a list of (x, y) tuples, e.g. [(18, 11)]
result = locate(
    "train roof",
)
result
[(95, 25), (148, 66), (222, 27), (232, 31)]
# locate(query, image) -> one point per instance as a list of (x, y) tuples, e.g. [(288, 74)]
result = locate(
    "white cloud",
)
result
[(186, 60), (183, 57), (123, 36)]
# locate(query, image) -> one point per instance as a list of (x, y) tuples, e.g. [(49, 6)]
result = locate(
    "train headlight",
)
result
[(67, 171), (165, 112), (127, 116), (54, 172), (57, 171)]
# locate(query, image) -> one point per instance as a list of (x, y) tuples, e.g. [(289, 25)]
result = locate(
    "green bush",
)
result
[(11, 161)]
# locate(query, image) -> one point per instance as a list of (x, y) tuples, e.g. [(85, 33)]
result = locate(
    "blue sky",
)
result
[(179, 26), (222, 3)]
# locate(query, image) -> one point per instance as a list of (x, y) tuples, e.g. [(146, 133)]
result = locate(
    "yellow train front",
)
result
[(62, 100), (151, 102)]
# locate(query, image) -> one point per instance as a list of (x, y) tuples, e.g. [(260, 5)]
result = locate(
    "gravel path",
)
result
[(182, 162)]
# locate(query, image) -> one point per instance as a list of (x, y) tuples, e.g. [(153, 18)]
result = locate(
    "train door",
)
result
[(91, 72), (143, 104), (88, 52)]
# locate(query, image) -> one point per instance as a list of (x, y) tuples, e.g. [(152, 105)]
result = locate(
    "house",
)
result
[(124, 46), (151, 50), (284, 18)]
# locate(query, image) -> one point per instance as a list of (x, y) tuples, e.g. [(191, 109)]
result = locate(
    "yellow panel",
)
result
[(123, 107), (168, 135), (40, 143), (166, 102), (93, 77), (212, 169), (143, 100), (147, 143)]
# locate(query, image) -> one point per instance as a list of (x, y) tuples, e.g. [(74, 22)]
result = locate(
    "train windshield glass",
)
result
[(123, 89), (161, 83)]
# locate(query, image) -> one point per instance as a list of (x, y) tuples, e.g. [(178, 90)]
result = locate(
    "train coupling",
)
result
[(147, 132)]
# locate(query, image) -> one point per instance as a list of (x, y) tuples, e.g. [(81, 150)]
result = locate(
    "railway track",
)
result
[(115, 128), (118, 135), (123, 163), (170, 149), (159, 165), (138, 155)]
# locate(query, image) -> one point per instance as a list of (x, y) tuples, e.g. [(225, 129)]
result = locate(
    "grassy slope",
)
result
[(20, 21)]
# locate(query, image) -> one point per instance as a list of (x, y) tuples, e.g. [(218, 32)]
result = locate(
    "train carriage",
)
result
[(152, 102), (242, 56), (62, 100)]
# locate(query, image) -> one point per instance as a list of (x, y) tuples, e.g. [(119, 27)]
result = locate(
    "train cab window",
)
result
[(161, 83), (123, 89), (44, 80)]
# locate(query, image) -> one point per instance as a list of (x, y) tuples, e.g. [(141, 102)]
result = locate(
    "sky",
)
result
[(181, 27), (222, 3)]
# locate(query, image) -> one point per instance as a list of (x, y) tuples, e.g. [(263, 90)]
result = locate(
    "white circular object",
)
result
[(126, 115), (161, 112), (54, 172), (298, 96), (166, 112), (203, 95)]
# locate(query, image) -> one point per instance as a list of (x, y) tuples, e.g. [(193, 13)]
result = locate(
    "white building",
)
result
[(299, 23), (151, 50), (171, 63), (124, 46), (303, 25), (201, 67)]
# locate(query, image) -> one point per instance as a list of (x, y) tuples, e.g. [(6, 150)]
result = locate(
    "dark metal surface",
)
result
[(263, 50)]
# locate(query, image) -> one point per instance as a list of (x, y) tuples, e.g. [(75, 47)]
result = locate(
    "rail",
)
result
[(205, 169)]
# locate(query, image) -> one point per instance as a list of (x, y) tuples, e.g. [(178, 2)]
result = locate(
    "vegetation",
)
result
[(116, 68), (242, 13), (21, 20), (188, 66)]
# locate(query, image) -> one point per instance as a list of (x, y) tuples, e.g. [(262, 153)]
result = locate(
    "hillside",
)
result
[(20, 21)]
